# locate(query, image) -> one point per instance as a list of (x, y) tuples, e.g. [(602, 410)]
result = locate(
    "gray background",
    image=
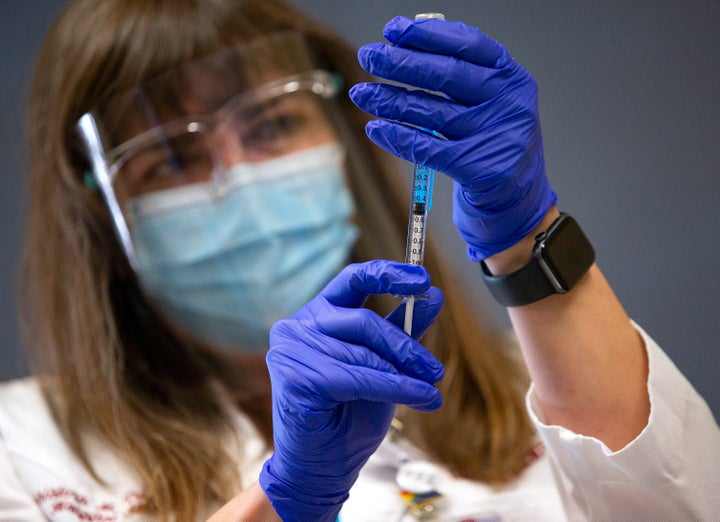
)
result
[(631, 121)]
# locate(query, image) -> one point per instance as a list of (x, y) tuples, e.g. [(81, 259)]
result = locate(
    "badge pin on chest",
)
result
[(420, 482)]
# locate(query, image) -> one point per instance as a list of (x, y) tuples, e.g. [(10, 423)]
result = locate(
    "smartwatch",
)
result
[(561, 257)]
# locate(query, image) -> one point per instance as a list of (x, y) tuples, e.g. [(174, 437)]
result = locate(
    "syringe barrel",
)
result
[(419, 206)]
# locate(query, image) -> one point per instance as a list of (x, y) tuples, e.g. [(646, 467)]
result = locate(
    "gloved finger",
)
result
[(411, 144), (365, 330), (351, 287), (426, 310), (419, 108), (479, 163), (460, 80), (449, 38), (331, 382), (293, 331)]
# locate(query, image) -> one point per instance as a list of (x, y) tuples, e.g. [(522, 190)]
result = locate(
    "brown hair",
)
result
[(109, 364)]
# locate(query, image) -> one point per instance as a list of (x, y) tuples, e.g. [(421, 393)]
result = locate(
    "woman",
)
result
[(160, 402)]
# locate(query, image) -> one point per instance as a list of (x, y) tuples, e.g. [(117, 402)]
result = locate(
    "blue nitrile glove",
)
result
[(337, 371), (487, 111)]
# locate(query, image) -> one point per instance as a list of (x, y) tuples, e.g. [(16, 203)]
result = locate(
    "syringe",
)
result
[(420, 203)]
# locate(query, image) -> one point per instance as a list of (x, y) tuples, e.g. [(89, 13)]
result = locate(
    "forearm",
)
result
[(587, 361), (250, 505)]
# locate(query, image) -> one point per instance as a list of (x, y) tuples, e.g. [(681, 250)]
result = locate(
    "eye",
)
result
[(275, 130), (279, 126), (170, 162)]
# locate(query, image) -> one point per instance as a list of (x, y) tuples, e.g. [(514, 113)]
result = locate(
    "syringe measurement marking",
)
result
[(417, 233), (421, 185), (422, 179)]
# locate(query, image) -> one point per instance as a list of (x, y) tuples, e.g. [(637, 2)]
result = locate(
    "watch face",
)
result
[(566, 253)]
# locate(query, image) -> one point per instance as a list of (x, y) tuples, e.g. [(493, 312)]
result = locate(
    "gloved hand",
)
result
[(337, 371), (484, 105)]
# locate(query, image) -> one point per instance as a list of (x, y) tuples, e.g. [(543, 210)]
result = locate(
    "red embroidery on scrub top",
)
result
[(62, 500)]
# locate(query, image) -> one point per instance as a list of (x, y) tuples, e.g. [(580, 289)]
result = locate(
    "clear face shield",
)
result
[(224, 177), (250, 104)]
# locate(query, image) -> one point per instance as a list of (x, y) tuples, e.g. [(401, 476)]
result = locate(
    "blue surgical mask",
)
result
[(227, 267)]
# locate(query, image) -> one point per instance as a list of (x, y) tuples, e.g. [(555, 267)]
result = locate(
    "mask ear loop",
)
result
[(90, 135)]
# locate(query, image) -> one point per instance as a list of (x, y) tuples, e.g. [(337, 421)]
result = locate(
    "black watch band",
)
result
[(561, 257), (524, 286)]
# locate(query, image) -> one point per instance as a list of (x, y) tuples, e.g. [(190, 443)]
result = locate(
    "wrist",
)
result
[(560, 257), (517, 256), (293, 505), (250, 504)]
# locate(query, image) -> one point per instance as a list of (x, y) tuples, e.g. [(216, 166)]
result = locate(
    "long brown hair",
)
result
[(110, 365)]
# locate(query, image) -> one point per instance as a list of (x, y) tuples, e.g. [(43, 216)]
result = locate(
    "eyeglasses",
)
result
[(278, 118)]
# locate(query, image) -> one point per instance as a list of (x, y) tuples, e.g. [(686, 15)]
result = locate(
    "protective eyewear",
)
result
[(268, 122), (185, 128)]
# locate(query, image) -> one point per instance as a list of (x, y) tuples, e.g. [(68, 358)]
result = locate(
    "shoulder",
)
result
[(18, 388), (22, 405), (27, 429), (26, 434)]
